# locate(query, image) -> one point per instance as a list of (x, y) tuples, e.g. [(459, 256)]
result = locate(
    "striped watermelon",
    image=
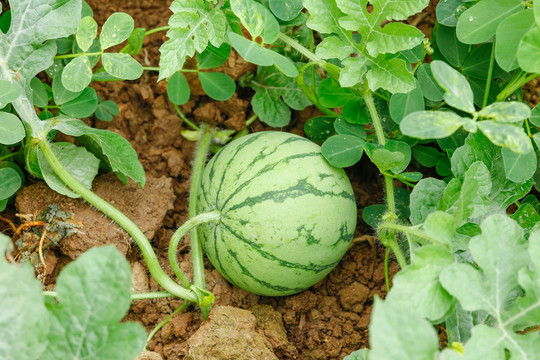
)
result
[(287, 215)]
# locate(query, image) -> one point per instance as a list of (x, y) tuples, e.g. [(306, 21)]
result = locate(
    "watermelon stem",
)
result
[(116, 215), (212, 216)]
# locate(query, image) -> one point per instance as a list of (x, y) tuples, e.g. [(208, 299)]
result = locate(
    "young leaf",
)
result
[(24, 320), (40, 98), (390, 74), (11, 129), (83, 105), (11, 182), (353, 71), (106, 110), (107, 145), (135, 42), (431, 124), (333, 47), (398, 333), (506, 135), (194, 24), (418, 284), (77, 74), (98, 332), (122, 66), (386, 159), (286, 10), (86, 32), (81, 164), (402, 105), (399, 147), (506, 112), (116, 29), (217, 85), (178, 89), (479, 23), (458, 91), (343, 150), (519, 167), (509, 34)]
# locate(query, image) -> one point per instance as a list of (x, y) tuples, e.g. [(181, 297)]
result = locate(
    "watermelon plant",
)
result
[(272, 211)]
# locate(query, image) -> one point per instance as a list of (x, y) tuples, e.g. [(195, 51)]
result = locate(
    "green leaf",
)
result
[(509, 34), (394, 36), (355, 112), (402, 105), (332, 95), (8, 92), (424, 199), (213, 56), (333, 47), (395, 332), (11, 182), (271, 110), (343, 150), (116, 29), (283, 63), (527, 217), (106, 110), (24, 320), (5, 21), (107, 145), (477, 64), (402, 148), (430, 88), (135, 42), (61, 95), (11, 129), (40, 98), (178, 89), (323, 16), (77, 74), (535, 116), (86, 32), (519, 167), (81, 164), (431, 124), (390, 74), (506, 112), (250, 50), (475, 190), (286, 10), (99, 333), (479, 23), (458, 91), (418, 284), (353, 71), (454, 51), (448, 11), (529, 50), (257, 19), (122, 66), (25, 48), (217, 85), (83, 105), (343, 127), (372, 214), (386, 159), (319, 128), (362, 354), (506, 135), (426, 155), (194, 25)]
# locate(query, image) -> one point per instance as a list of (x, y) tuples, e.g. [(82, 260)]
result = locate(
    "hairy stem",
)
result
[(198, 167), (408, 230), (213, 216), (133, 230)]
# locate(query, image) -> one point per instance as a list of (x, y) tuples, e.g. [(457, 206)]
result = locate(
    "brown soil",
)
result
[(328, 321)]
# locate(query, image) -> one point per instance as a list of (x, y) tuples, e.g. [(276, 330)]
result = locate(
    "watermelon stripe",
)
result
[(302, 187), (266, 284), (257, 247), (267, 169), (276, 148), (303, 232), (344, 235), (231, 159), (221, 269)]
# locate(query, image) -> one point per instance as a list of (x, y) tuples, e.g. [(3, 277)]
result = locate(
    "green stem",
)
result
[(490, 74), (213, 216), (181, 114), (138, 236), (70, 56), (198, 167), (386, 272), (307, 90), (514, 85), (151, 68), (167, 319), (251, 120), (158, 29)]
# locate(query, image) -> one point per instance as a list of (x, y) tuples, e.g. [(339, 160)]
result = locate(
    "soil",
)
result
[(327, 321)]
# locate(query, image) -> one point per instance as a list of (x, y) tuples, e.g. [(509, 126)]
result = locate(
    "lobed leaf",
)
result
[(333, 47), (390, 74)]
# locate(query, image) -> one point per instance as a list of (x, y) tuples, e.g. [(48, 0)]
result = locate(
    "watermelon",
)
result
[(287, 216)]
